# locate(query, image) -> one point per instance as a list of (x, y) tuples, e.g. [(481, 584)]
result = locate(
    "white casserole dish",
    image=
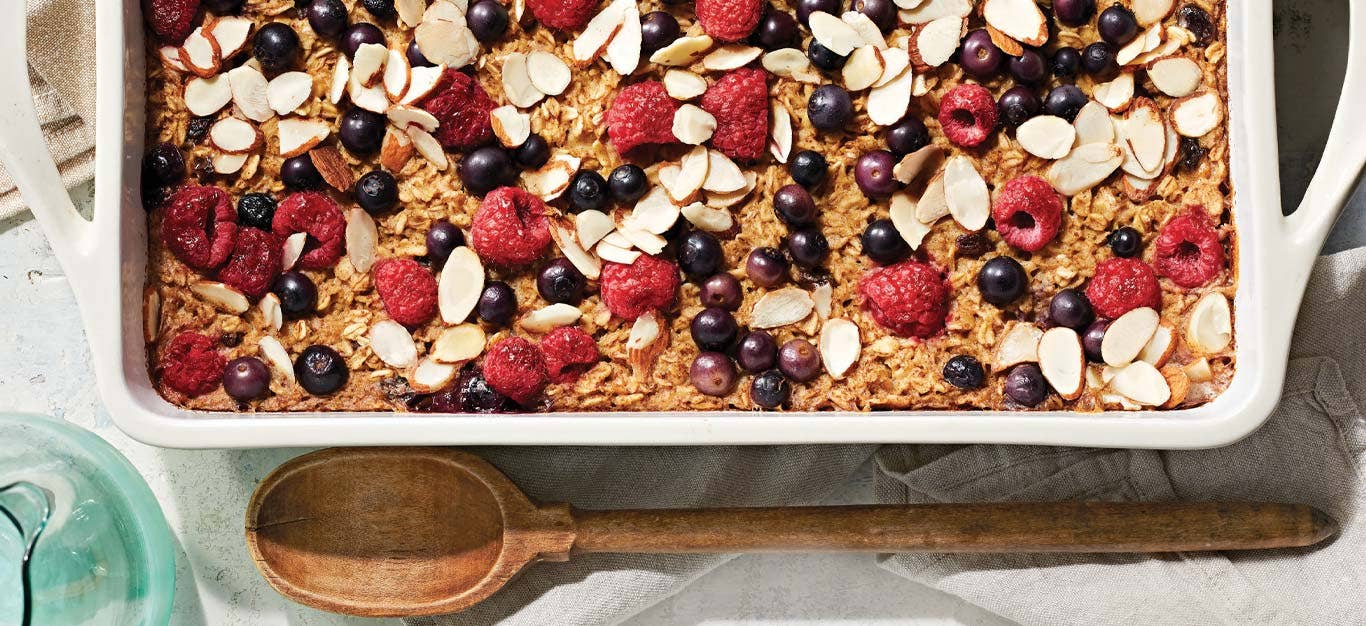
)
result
[(106, 262)]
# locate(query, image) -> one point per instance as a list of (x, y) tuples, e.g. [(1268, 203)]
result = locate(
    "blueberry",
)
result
[(873, 174), (1018, 105), (1070, 308), (276, 46), (1065, 101), (881, 12), (361, 132), (484, 169), (1025, 385), (1092, 339), (628, 183), (297, 293), (714, 329), (223, 7), (488, 20), (883, 244), (777, 29), (257, 210), (1099, 60), (907, 135), (713, 374), (1028, 68), (327, 17), (163, 165), (360, 34), (1074, 12), (442, 239), (1002, 280), (657, 29), (1198, 22), (964, 372), (381, 9), (808, 168), (770, 389), (979, 56), (588, 191), (1066, 62), (830, 108), (794, 206), (808, 247), (477, 396), (533, 153), (757, 351), (700, 254), (320, 370), (721, 290), (806, 7), (415, 56), (799, 360), (1125, 242), (497, 303), (560, 282), (377, 191), (766, 267), (1117, 25), (825, 58), (299, 173), (246, 379)]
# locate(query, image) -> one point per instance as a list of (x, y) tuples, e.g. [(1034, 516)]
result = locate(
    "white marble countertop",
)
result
[(46, 369)]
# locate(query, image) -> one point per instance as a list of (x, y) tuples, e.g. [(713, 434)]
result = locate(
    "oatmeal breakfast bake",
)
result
[(622, 205)]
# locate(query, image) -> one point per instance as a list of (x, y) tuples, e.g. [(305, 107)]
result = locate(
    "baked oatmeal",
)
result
[(584, 205)]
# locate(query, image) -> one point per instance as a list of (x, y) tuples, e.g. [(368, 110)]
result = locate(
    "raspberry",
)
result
[(462, 108), (1027, 212), (191, 364), (317, 215), (569, 352), (562, 14), (171, 20), (1122, 285), (911, 298), (515, 368), (651, 283), (739, 102), (967, 113), (200, 227), (254, 264), (641, 113), (408, 291), (510, 228), (728, 20), (1187, 250)]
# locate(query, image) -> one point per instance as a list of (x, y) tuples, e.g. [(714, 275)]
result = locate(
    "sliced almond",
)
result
[(510, 126), (730, 57), (1093, 125), (459, 286), (1177, 77), (292, 249), (200, 54), (863, 68), (458, 344), (928, 10), (1144, 133), (371, 98), (562, 232), (616, 254), (645, 343), (591, 227), (1020, 19), (250, 93), (1127, 54), (656, 212), (692, 125), (549, 318), (1198, 371), (230, 33), (427, 146), (367, 64), (298, 136), (1086, 167), (1005, 42), (446, 43), (1178, 383), (1160, 347), (615, 238), (341, 77), (221, 296), (684, 85), (903, 210), (888, 103), (1019, 344), (225, 163), (593, 41), (548, 74), (446, 11), (728, 199), (552, 179), (1046, 136), (839, 346), (648, 242), (780, 132), (234, 135), (170, 57), (403, 116), (1116, 94), (723, 175), (895, 62), (790, 63), (966, 193), (395, 78), (782, 307), (393, 344), (1151, 11), (933, 204), (517, 85), (1197, 115), (683, 51), (834, 33), (822, 294), (288, 91), (934, 43), (410, 11), (421, 82), (692, 173), (918, 165), (865, 27), (362, 239), (333, 167), (1063, 362), (271, 312), (206, 96), (1142, 383), (1209, 328), (396, 150), (623, 51), (708, 219), (1128, 335), (431, 376), (276, 355), (151, 315)]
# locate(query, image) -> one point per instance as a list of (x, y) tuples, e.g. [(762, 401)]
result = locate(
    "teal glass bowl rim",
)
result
[(158, 555)]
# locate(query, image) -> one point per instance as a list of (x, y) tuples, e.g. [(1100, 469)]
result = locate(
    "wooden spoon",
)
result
[(394, 532)]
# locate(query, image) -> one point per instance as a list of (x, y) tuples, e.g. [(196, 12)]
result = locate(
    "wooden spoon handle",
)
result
[(1002, 527)]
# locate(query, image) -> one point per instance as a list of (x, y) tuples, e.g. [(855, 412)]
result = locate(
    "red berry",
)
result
[(462, 108), (515, 368), (967, 113), (254, 264), (562, 14), (171, 20), (739, 102), (649, 284), (729, 20), (200, 227), (1122, 285), (569, 352), (510, 228), (317, 215), (910, 298), (408, 291), (191, 364), (1027, 212), (1187, 250), (641, 114)]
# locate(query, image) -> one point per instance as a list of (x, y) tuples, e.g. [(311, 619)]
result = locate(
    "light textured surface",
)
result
[(45, 368)]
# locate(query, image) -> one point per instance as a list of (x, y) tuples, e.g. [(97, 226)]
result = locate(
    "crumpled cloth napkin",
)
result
[(63, 81), (1310, 451)]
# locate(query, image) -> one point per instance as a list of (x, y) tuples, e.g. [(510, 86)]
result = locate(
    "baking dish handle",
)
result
[(24, 153)]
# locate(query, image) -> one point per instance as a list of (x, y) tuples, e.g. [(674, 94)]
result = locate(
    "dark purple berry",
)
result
[(628, 183), (881, 12), (361, 132), (1117, 25), (757, 351), (1065, 101), (1092, 338), (766, 267), (1025, 385), (256, 210), (713, 374), (794, 205), (806, 7), (1028, 68), (1066, 62), (533, 153), (883, 243), (377, 191), (657, 29), (722, 290), (799, 360), (497, 303), (1002, 280), (163, 165), (246, 379), (714, 329), (327, 17), (777, 29), (808, 168), (979, 56), (808, 247), (297, 293), (360, 34), (1074, 12), (559, 281), (1019, 104), (320, 370), (907, 136), (487, 19), (1125, 242), (700, 254), (276, 46), (964, 372), (825, 58), (873, 174), (770, 390), (1099, 60), (1198, 22), (415, 56), (381, 9), (830, 108), (484, 169), (1070, 308), (299, 173), (442, 239), (588, 191)]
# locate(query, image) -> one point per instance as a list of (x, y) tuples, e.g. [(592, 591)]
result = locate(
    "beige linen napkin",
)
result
[(63, 79)]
